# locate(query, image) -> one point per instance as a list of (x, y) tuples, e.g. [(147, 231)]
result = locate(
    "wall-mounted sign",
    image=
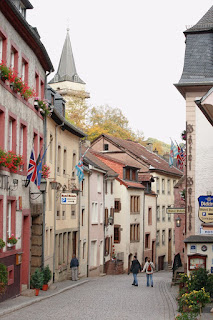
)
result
[(68, 198), (205, 231), (175, 210), (193, 248), (204, 248), (205, 208)]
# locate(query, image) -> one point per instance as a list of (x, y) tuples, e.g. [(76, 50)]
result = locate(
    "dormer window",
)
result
[(130, 174), (22, 9), (106, 147)]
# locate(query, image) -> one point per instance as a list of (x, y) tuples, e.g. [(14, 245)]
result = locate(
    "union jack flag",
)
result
[(32, 170)]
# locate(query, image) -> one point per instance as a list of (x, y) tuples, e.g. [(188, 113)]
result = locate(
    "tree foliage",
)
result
[(100, 120), (76, 112)]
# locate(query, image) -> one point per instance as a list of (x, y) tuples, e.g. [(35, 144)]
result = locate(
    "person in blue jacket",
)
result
[(135, 268), (74, 268)]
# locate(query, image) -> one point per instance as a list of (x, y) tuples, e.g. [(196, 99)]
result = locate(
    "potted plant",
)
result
[(3, 278), (37, 281), (11, 241), (47, 275), (2, 243)]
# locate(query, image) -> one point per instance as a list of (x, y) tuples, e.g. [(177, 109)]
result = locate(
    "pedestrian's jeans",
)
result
[(74, 271), (135, 279), (149, 276)]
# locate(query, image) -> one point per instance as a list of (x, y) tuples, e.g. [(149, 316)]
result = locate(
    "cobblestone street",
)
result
[(107, 297)]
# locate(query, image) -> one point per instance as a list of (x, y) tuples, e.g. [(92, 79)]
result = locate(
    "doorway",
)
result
[(170, 246), (25, 250)]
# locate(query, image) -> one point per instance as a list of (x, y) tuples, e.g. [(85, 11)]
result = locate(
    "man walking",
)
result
[(149, 268), (74, 268), (135, 267)]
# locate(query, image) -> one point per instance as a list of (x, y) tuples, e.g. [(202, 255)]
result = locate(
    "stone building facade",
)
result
[(21, 128)]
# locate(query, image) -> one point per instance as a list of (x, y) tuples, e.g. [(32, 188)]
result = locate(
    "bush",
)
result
[(37, 279), (209, 285), (2, 243), (198, 279), (3, 278), (187, 316), (193, 301), (47, 275)]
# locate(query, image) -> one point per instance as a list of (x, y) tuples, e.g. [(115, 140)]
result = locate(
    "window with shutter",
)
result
[(117, 205), (116, 234)]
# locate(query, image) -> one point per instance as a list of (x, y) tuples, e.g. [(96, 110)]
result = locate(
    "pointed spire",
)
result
[(67, 69)]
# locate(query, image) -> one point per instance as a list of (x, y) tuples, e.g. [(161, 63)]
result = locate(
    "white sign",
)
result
[(205, 231), (68, 198), (175, 210)]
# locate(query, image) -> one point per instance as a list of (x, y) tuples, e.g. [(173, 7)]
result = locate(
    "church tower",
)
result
[(67, 81)]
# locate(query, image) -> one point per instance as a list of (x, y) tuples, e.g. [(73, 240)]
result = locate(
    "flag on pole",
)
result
[(32, 170), (39, 164), (181, 157), (173, 153), (79, 167)]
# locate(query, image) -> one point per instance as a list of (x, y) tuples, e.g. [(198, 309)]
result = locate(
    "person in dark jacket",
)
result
[(135, 268), (74, 268)]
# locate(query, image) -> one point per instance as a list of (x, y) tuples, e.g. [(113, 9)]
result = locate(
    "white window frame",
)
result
[(10, 133), (21, 140), (9, 219)]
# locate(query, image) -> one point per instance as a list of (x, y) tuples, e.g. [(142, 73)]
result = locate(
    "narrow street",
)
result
[(106, 298)]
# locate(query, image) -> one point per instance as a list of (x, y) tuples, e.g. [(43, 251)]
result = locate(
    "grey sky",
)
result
[(129, 53)]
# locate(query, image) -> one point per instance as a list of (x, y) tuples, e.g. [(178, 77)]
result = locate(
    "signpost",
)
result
[(175, 210), (68, 198)]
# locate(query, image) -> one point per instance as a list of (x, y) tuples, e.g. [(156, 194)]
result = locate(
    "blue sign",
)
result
[(205, 208), (211, 269)]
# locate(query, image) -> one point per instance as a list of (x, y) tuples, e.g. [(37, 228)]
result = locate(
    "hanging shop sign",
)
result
[(68, 198), (205, 212), (175, 210)]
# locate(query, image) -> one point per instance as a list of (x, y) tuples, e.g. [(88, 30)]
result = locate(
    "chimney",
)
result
[(149, 146)]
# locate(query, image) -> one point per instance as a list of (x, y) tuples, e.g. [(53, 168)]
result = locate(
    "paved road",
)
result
[(106, 298)]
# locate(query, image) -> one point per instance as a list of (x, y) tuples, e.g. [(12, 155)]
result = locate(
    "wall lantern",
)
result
[(178, 222), (43, 185), (110, 220), (54, 185)]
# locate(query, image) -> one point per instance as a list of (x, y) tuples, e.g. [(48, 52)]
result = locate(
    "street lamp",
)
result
[(178, 222), (43, 185)]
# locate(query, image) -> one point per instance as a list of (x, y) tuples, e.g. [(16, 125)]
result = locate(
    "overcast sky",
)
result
[(129, 53)]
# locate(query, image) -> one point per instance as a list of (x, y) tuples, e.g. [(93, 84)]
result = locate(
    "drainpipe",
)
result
[(44, 197), (104, 177), (55, 193), (143, 226), (79, 210), (43, 194), (88, 236), (156, 262)]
